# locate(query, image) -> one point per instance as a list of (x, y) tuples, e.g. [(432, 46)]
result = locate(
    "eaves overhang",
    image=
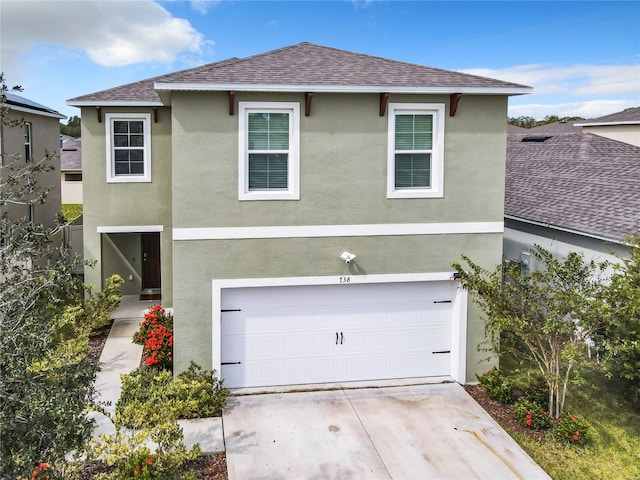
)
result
[(244, 87), (35, 111), (603, 124), (573, 231), (113, 103)]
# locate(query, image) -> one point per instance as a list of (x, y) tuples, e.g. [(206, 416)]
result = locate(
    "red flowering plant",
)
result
[(41, 471), (572, 430), (156, 337), (140, 466), (531, 415)]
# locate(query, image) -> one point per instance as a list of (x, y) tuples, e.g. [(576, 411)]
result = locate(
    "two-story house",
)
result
[(37, 136), (300, 210)]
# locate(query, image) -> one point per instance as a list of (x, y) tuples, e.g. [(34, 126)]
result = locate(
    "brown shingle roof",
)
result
[(300, 65), (576, 181), (630, 115)]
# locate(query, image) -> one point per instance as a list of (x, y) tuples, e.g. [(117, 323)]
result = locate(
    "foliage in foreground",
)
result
[(544, 316), (622, 324), (46, 377), (194, 393), (132, 458)]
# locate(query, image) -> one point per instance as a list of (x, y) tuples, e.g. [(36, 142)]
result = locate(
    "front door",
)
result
[(150, 260)]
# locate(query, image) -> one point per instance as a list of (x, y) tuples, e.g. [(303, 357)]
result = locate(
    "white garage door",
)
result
[(335, 333)]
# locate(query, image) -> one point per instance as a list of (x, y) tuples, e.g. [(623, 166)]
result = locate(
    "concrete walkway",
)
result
[(120, 356)]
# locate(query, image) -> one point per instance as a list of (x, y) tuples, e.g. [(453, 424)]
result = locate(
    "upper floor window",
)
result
[(128, 147), (28, 149), (269, 140), (415, 163)]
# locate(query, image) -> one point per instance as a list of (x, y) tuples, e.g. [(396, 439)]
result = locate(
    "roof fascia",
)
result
[(243, 87), (567, 230), (35, 111), (113, 103), (602, 124)]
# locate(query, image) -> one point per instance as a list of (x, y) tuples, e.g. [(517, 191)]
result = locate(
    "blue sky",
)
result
[(581, 57)]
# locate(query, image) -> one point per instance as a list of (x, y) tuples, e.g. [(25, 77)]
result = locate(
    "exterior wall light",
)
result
[(347, 257)]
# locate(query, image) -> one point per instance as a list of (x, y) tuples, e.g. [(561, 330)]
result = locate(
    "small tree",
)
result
[(544, 317), (46, 378), (72, 128), (622, 326)]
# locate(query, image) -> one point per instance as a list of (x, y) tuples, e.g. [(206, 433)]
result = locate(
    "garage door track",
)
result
[(414, 432)]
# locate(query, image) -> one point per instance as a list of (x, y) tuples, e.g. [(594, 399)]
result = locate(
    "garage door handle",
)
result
[(442, 351), (230, 363), (336, 338), (341, 338)]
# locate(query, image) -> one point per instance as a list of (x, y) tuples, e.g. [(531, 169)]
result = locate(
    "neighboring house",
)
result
[(241, 187), (568, 190), (71, 170), (622, 126), (39, 135)]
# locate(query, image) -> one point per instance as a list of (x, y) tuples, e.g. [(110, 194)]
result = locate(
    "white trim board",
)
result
[(311, 231), (129, 228), (458, 328)]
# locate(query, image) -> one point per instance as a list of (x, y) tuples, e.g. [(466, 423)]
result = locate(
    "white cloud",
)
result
[(203, 6), (577, 80), (586, 109), (112, 33)]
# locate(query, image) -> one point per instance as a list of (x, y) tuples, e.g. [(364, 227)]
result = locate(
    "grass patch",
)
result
[(71, 210), (614, 450)]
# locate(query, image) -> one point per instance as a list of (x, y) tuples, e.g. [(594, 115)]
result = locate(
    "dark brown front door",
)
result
[(150, 260)]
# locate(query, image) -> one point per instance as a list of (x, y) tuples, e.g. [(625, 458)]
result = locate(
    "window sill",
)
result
[(415, 194)]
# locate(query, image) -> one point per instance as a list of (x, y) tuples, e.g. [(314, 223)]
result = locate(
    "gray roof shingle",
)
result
[(630, 115), (576, 181), (303, 64), (70, 154)]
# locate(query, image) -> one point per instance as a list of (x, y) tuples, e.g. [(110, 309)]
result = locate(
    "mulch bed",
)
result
[(503, 414)]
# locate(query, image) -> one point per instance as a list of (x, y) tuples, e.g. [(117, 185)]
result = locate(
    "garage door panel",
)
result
[(383, 331)]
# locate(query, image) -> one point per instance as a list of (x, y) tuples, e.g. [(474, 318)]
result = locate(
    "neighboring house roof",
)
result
[(305, 67), (70, 154), (578, 182), (630, 116), (515, 129), (21, 104), (556, 127)]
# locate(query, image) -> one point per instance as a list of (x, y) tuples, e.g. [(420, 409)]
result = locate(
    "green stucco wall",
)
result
[(343, 166), (126, 204)]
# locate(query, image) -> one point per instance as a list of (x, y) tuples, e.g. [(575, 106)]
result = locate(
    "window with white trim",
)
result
[(269, 158), (415, 163), (128, 147)]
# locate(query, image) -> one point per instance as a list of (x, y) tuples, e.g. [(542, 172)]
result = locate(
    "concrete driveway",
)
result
[(416, 432)]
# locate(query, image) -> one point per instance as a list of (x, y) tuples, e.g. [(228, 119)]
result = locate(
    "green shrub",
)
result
[(531, 415), (133, 459), (538, 393), (194, 393), (570, 429), (497, 385)]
